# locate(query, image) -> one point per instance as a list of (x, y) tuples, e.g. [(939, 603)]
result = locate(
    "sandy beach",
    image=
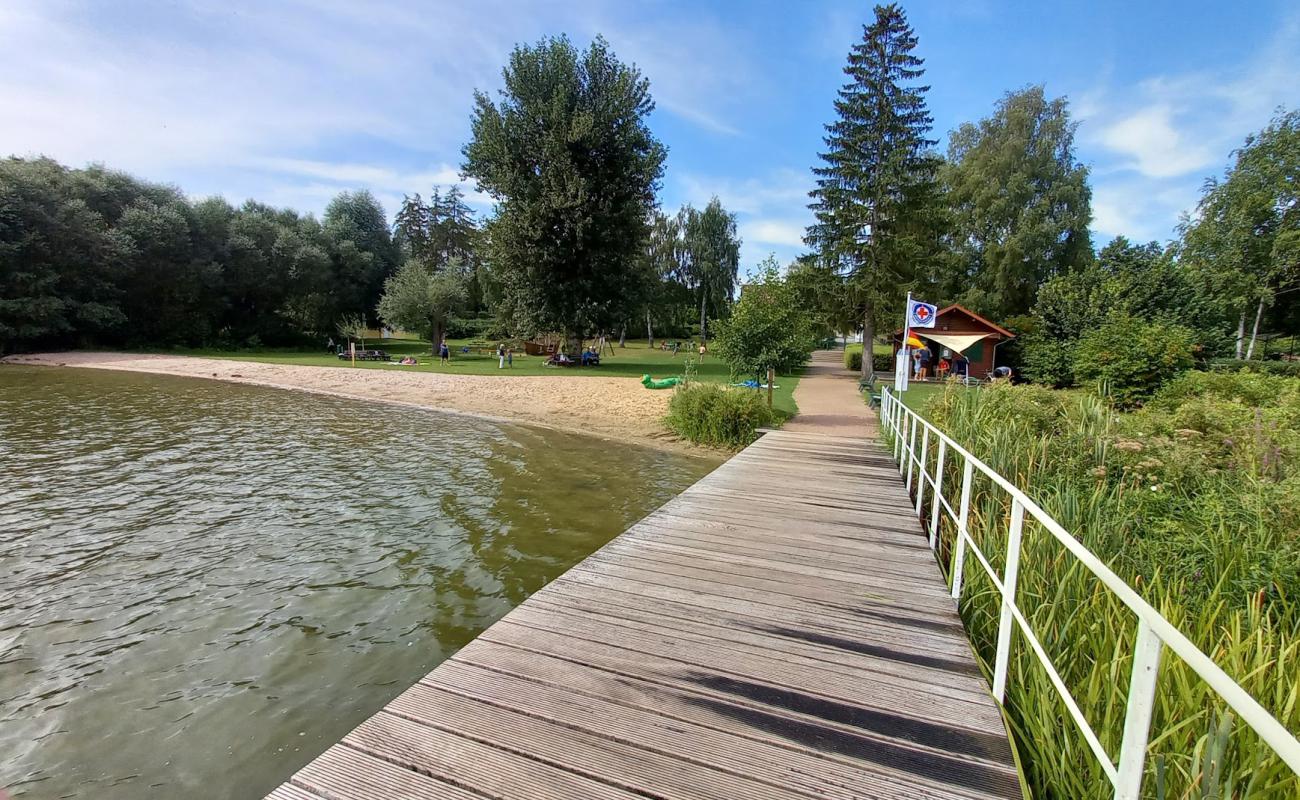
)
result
[(612, 408)]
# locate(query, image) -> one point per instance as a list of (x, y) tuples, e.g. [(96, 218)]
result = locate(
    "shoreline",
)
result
[(613, 409)]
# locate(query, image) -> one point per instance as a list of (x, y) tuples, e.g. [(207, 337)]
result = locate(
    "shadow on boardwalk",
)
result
[(779, 630)]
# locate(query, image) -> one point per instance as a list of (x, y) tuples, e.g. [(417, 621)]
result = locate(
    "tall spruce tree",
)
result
[(876, 197)]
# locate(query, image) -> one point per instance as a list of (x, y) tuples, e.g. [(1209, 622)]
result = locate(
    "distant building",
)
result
[(960, 333)]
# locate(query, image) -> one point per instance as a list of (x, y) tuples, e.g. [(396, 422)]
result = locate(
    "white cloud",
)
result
[(1153, 142), (785, 233), (242, 98), (1156, 149)]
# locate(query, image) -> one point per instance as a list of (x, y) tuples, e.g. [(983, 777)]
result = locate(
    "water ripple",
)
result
[(204, 585)]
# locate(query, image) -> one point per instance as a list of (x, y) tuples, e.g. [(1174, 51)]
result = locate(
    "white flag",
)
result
[(921, 315)]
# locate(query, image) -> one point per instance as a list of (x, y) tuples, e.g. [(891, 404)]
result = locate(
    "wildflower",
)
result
[(1129, 446)]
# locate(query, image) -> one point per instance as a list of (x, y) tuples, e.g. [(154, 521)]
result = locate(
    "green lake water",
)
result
[(204, 585)]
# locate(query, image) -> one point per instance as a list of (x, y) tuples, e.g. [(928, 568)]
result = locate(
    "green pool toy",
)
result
[(662, 383)]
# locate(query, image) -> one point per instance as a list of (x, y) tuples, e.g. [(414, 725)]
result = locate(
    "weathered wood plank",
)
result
[(779, 630)]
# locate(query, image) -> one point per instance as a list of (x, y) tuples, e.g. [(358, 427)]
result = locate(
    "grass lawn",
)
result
[(631, 362), (918, 394)]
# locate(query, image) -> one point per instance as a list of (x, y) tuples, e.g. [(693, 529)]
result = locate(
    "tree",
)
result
[(568, 157), (423, 301), (712, 258), (1141, 281), (823, 296), (353, 328), (361, 248), (1244, 245), (60, 265), (412, 229), (767, 328), (875, 202), (663, 265), (1020, 204)]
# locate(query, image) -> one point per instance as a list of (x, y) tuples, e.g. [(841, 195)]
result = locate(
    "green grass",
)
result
[(632, 361)]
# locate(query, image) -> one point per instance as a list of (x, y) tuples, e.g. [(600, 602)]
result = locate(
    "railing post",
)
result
[(920, 471), (900, 419), (911, 450), (936, 501), (1137, 717), (959, 552), (902, 440), (1008, 600)]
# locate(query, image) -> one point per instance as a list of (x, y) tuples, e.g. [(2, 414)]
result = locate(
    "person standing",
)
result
[(923, 359), (510, 357), (444, 352), (501, 356)]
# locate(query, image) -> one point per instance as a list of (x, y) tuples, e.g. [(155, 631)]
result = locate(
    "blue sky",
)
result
[(291, 102)]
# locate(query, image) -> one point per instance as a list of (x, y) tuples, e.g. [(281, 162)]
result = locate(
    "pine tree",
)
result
[(411, 228), (876, 195)]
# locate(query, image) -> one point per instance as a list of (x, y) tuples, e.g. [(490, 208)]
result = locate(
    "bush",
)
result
[(880, 362), (853, 359), (1129, 358), (718, 416), (766, 329), (1286, 368), (469, 327)]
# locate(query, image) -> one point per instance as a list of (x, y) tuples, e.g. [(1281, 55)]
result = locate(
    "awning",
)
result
[(957, 342)]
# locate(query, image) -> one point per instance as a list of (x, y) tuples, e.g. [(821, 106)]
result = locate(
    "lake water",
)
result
[(204, 585)]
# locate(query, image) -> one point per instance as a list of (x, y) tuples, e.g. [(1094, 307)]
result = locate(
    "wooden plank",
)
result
[(780, 630)]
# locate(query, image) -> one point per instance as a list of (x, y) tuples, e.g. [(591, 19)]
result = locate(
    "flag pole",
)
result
[(906, 362)]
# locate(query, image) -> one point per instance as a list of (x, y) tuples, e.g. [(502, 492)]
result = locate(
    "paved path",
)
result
[(829, 401), (778, 631)]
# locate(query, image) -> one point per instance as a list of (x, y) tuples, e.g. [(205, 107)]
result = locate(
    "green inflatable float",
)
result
[(662, 383)]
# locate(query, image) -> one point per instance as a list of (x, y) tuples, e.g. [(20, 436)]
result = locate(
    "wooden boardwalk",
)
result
[(779, 630)]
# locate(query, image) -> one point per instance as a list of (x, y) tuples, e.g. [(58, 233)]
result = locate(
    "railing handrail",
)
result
[(1154, 631)]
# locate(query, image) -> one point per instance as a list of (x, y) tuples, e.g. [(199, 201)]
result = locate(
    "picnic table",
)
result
[(365, 355)]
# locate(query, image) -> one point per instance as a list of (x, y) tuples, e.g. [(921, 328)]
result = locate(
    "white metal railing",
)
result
[(1154, 632)]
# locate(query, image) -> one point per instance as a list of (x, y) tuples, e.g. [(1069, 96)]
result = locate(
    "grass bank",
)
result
[(632, 361), (1195, 501)]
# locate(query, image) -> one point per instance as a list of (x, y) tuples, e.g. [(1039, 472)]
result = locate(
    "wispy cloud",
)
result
[(286, 97), (1152, 143)]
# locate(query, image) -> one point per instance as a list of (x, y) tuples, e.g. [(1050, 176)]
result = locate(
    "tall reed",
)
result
[(1207, 541)]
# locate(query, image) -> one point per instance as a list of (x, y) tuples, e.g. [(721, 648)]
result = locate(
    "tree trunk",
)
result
[(1241, 334), (702, 331), (1259, 312), (622, 336), (868, 339), (649, 330), (438, 331)]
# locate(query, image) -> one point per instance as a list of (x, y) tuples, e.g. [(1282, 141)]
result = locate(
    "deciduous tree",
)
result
[(566, 153), (1019, 202)]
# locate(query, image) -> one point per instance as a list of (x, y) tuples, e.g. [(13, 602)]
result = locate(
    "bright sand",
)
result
[(614, 408)]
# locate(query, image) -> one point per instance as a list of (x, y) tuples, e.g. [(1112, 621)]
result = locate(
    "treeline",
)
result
[(94, 256), (1000, 224)]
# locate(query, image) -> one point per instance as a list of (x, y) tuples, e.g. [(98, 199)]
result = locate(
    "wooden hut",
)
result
[(961, 334)]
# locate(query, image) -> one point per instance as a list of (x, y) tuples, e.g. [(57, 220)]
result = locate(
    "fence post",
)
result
[(920, 471), (935, 501), (1008, 600), (911, 450), (1137, 717), (902, 441), (959, 553)]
